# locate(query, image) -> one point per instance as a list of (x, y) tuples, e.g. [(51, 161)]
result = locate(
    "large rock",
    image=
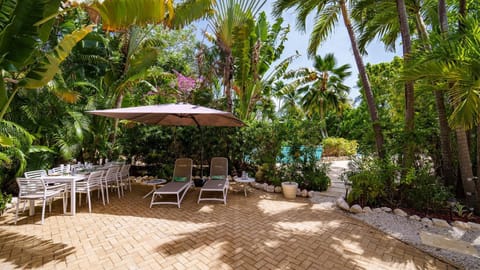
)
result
[(377, 210), (474, 226), (427, 222), (415, 217), (342, 204), (400, 212), (367, 210), (387, 209), (270, 188), (356, 209), (440, 223), (311, 193), (461, 225), (278, 189), (304, 193)]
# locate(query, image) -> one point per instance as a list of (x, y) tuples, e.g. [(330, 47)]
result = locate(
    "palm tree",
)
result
[(453, 64), (379, 18), (322, 89), (229, 15), (326, 15), (409, 85)]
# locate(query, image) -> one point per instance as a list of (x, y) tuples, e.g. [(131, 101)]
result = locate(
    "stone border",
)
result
[(356, 209)]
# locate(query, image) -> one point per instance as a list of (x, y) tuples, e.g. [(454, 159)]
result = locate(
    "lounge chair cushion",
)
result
[(180, 178), (217, 177)]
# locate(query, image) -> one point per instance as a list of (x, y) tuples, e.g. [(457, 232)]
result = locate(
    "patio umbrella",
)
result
[(179, 114)]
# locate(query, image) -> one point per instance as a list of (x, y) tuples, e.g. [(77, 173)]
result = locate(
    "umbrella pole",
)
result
[(201, 146), (201, 152)]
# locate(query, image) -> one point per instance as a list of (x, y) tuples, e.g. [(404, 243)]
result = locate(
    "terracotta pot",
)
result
[(289, 190)]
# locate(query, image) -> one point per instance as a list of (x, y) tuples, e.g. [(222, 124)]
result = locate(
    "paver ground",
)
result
[(261, 231)]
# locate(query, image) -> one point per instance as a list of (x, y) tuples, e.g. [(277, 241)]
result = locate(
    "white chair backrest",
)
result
[(95, 178), (29, 186), (35, 174), (125, 171), (219, 167), (112, 174), (183, 168)]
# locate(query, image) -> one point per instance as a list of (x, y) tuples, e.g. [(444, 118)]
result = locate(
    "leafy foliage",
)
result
[(339, 147)]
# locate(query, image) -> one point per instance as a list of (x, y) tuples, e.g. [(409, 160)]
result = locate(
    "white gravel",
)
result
[(408, 230)]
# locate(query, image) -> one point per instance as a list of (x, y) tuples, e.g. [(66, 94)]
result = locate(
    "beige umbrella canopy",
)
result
[(180, 114)]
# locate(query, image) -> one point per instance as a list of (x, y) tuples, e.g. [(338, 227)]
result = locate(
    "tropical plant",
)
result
[(326, 14), (256, 46), (452, 65), (230, 16), (322, 89)]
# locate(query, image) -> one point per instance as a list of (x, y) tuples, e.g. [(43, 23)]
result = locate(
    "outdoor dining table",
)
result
[(71, 181)]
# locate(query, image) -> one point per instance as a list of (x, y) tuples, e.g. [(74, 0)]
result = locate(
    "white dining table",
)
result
[(70, 181)]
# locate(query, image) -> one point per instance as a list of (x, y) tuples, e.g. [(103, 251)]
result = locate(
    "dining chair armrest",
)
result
[(56, 186)]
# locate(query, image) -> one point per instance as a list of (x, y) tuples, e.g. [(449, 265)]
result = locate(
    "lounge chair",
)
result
[(181, 182), (218, 181)]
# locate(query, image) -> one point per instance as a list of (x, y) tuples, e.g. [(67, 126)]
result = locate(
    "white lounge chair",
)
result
[(218, 181), (181, 182)]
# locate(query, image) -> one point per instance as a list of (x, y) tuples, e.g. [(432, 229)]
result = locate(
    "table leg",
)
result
[(72, 198), (245, 189), (150, 192), (31, 208)]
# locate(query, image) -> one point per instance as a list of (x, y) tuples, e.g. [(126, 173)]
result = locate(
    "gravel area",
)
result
[(405, 229), (408, 231)]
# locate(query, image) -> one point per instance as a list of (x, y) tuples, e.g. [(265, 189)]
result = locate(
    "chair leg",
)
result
[(89, 202), (106, 191), (103, 197), (199, 196), (79, 199), (43, 209), (119, 187), (64, 203), (129, 183), (153, 198), (16, 212)]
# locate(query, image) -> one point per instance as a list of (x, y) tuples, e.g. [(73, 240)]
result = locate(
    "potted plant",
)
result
[(289, 190)]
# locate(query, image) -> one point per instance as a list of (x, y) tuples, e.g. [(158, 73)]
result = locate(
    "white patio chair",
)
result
[(35, 174), (35, 189), (111, 179), (181, 182), (218, 181), (125, 175), (94, 182)]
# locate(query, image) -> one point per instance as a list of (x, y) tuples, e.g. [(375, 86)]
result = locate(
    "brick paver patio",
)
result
[(261, 231)]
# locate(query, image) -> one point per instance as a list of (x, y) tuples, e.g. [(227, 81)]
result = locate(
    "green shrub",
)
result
[(317, 178), (339, 147), (371, 181), (425, 192)]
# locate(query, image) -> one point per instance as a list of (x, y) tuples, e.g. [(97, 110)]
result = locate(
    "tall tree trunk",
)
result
[(377, 129), (445, 147), (409, 88), (447, 169), (466, 170), (227, 80), (118, 104), (478, 152), (464, 160)]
